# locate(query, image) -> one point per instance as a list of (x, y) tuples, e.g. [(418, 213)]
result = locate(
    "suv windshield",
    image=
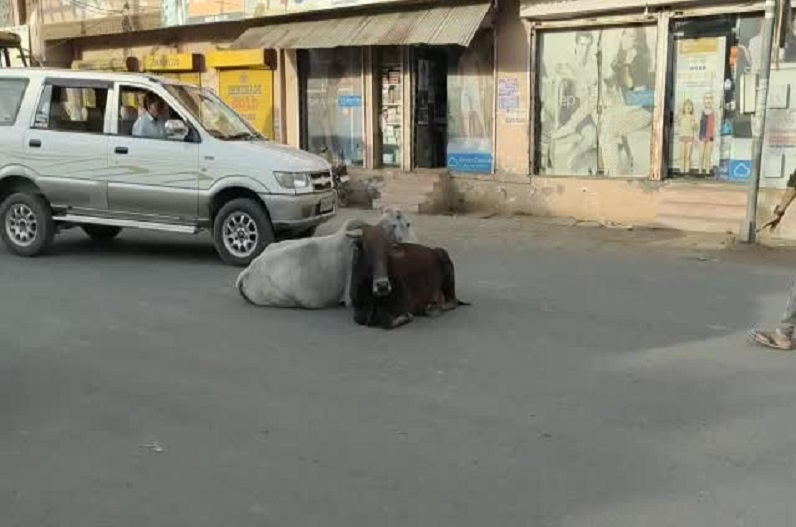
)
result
[(217, 118)]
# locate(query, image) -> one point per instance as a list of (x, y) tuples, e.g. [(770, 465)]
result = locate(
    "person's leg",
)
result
[(782, 337), (788, 322)]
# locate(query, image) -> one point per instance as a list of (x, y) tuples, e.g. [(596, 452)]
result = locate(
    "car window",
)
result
[(11, 93), (218, 119), (136, 121), (72, 108)]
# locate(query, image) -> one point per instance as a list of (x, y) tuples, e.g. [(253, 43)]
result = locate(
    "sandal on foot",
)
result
[(768, 340)]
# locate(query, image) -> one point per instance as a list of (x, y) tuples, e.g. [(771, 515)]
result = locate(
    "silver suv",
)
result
[(108, 151)]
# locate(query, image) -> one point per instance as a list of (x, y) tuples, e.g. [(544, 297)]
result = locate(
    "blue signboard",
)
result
[(349, 101), (478, 163)]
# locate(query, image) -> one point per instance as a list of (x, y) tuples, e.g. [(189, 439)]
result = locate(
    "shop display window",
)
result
[(596, 98), (333, 104), (715, 66)]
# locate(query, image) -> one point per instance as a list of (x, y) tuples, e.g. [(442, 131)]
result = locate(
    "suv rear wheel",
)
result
[(26, 224), (241, 231), (101, 233)]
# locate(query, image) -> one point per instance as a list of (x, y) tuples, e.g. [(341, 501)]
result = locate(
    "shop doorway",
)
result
[(430, 123)]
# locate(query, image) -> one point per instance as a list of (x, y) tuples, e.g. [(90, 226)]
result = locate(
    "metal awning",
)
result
[(434, 25)]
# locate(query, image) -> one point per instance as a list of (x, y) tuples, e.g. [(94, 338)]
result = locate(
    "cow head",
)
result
[(397, 225), (373, 246)]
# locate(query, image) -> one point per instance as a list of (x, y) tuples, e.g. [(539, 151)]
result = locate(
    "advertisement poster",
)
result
[(508, 94), (698, 105), (471, 92), (596, 98), (250, 93)]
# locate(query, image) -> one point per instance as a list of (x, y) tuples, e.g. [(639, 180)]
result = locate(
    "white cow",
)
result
[(312, 273), (397, 225)]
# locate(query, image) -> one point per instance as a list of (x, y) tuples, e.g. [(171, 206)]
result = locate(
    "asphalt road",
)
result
[(584, 387)]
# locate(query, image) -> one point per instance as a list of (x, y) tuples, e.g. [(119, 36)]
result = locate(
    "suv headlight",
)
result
[(293, 180)]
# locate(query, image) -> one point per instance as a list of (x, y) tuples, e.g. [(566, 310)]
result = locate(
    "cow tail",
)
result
[(241, 291)]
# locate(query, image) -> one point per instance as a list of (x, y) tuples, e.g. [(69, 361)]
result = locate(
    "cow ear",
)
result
[(355, 234)]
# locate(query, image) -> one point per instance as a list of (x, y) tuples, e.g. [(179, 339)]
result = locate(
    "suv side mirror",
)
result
[(176, 130)]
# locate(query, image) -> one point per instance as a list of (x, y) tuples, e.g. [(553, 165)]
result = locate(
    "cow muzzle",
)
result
[(382, 287)]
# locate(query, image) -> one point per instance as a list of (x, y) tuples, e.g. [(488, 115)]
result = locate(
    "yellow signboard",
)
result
[(697, 46), (169, 62), (250, 92), (236, 58)]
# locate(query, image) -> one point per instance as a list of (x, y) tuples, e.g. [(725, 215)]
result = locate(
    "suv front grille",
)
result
[(321, 181)]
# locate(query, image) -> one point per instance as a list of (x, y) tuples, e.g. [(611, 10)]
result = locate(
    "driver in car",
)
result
[(151, 123)]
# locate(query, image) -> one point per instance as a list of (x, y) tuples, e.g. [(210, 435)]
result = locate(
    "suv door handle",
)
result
[(35, 143), (120, 150)]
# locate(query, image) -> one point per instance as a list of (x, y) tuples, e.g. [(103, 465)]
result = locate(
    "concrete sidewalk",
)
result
[(571, 233)]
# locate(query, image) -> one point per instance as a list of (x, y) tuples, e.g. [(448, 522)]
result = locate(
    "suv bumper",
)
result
[(297, 213)]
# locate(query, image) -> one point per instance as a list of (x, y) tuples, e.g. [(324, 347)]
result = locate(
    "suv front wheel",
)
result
[(26, 224), (241, 231)]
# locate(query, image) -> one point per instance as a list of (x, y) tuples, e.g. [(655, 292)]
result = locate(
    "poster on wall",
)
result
[(596, 96), (699, 79), (471, 92), (250, 94)]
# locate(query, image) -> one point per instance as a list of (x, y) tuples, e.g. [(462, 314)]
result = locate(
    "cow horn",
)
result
[(354, 234)]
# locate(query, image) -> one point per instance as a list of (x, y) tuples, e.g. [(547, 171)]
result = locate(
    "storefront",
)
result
[(664, 95), (409, 88)]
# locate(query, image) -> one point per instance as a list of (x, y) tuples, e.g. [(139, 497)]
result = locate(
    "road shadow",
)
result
[(140, 245)]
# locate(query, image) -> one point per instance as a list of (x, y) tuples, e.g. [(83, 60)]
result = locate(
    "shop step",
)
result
[(702, 210), (704, 195), (411, 192)]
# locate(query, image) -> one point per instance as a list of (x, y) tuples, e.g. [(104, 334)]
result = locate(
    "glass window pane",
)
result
[(11, 93), (334, 104), (471, 106), (72, 109), (596, 96)]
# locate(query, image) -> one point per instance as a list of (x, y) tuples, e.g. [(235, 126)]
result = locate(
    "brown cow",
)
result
[(391, 283)]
